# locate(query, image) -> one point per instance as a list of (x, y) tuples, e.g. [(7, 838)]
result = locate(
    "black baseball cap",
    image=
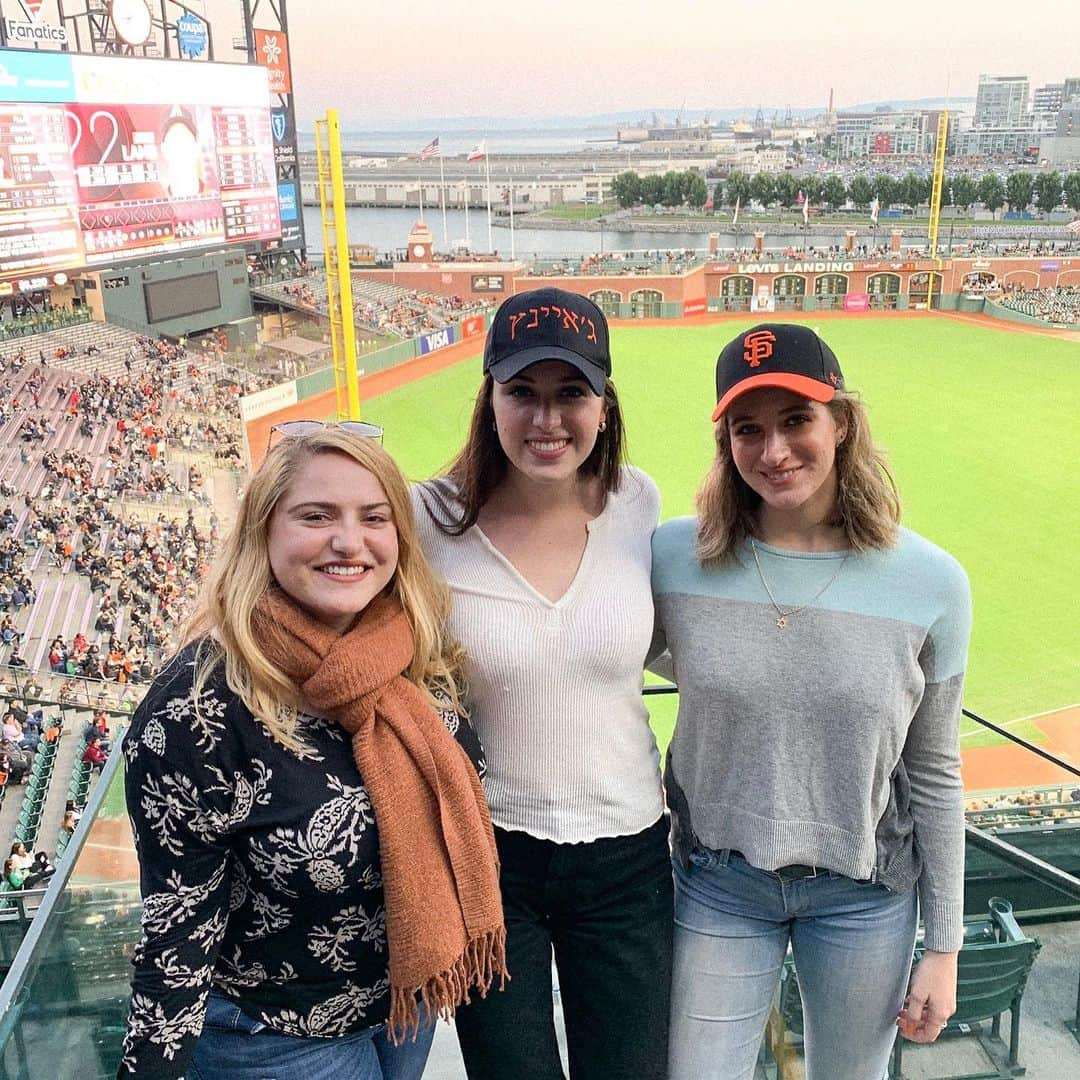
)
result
[(787, 355), (548, 324)]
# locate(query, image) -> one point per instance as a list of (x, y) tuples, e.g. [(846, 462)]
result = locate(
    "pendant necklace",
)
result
[(782, 616)]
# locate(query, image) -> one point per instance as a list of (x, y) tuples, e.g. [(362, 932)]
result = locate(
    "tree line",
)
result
[(1020, 190)]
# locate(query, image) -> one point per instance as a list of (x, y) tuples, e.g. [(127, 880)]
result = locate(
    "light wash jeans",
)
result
[(234, 1046), (852, 943)]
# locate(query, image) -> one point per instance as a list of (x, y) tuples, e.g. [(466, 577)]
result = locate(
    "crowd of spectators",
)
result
[(303, 295), (1010, 809), (1059, 304), (38, 321), (379, 307), (89, 509)]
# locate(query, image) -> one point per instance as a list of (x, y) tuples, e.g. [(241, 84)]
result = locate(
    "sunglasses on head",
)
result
[(290, 429)]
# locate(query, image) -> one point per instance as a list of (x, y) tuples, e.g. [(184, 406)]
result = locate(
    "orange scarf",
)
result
[(444, 924)]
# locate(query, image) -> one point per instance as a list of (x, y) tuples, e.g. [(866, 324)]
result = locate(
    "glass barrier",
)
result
[(64, 1003)]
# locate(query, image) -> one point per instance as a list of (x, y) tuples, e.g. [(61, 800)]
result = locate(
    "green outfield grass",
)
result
[(981, 427)]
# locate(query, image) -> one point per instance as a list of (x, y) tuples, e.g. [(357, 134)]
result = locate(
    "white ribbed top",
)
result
[(555, 687)]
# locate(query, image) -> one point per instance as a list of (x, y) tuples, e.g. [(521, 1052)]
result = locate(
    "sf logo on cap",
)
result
[(758, 346)]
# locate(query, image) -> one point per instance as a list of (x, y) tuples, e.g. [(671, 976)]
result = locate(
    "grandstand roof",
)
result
[(298, 346)]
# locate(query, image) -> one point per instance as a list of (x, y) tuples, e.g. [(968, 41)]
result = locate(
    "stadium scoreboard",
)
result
[(106, 159)]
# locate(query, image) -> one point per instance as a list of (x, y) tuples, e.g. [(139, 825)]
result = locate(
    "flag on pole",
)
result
[(806, 210), (735, 215), (478, 152), (431, 150), (1074, 226), (708, 203), (875, 207)]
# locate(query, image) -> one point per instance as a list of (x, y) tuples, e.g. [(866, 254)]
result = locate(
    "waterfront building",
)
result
[(1001, 101)]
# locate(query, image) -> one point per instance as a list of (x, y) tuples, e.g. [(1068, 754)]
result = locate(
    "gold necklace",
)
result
[(782, 615)]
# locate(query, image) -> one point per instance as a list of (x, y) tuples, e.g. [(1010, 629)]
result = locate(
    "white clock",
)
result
[(418, 250), (132, 20)]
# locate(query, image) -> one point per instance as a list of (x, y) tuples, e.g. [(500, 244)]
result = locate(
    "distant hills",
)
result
[(631, 118)]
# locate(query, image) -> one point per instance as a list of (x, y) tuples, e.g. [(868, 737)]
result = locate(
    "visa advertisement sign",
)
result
[(437, 339)]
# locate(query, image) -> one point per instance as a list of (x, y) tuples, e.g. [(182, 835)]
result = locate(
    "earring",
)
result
[(603, 425)]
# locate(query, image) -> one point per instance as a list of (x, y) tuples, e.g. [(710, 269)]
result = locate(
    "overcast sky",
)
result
[(392, 61)]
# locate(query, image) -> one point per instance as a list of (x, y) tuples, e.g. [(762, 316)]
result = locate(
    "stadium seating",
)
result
[(993, 968), (1059, 305), (378, 306)]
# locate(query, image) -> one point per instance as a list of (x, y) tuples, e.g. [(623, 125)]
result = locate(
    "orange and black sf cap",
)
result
[(548, 324), (787, 355)]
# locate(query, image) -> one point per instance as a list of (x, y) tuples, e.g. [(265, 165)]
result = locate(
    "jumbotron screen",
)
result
[(105, 159)]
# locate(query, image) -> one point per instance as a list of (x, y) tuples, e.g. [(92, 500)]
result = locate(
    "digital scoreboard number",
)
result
[(106, 158)]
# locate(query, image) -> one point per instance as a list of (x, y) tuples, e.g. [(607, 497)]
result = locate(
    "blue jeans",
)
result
[(234, 1046), (852, 943)]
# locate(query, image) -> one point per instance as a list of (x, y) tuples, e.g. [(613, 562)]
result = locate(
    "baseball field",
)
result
[(980, 423)]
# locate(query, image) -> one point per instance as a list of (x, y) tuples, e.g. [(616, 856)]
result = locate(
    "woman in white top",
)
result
[(544, 538)]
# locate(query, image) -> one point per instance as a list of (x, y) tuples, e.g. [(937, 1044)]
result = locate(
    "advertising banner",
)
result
[(287, 202), (191, 34), (107, 158), (252, 406), (858, 301), (283, 129), (437, 339), (488, 282), (272, 52), (762, 302), (473, 326), (20, 32), (694, 307)]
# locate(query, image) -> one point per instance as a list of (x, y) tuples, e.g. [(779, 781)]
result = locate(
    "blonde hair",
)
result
[(867, 502), (241, 574)]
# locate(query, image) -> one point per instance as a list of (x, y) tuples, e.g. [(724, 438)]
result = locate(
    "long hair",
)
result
[(867, 502), (241, 575), (455, 500)]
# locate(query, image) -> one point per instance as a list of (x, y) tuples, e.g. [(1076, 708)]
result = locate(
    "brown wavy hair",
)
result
[(454, 500), (867, 502)]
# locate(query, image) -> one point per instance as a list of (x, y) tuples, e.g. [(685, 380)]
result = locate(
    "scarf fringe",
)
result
[(484, 958)]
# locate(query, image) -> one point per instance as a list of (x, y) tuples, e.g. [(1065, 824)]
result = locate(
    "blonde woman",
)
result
[(814, 773), (315, 848)]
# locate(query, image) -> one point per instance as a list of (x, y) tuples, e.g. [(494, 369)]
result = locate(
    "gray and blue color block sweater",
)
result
[(833, 742)]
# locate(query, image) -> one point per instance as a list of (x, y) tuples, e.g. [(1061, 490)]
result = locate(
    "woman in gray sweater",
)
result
[(814, 773)]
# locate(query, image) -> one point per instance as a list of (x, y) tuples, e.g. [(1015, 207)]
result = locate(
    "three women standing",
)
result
[(544, 538), (814, 773)]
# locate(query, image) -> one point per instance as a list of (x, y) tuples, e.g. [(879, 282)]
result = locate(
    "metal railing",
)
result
[(23, 1009)]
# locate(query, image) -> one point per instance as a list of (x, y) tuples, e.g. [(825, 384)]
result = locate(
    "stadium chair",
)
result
[(992, 972)]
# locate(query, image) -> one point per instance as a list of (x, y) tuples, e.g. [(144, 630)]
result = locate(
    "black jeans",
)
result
[(606, 907)]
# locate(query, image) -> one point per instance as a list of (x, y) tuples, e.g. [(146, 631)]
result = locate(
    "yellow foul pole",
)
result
[(338, 278), (936, 192), (326, 204), (337, 176)]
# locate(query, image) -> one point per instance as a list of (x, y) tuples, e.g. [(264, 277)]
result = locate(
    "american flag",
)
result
[(431, 150), (1074, 226)]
